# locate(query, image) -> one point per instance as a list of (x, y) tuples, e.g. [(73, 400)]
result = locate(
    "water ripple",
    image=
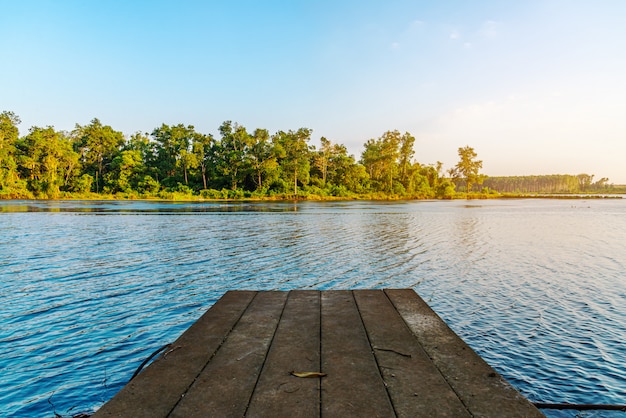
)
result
[(90, 289)]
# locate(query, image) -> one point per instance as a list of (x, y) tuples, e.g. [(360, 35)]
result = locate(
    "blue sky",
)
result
[(534, 86)]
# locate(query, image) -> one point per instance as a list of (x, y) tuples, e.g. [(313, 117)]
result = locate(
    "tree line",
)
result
[(178, 161), (554, 183)]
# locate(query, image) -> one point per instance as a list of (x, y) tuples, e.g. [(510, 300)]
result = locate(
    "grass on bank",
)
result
[(310, 195)]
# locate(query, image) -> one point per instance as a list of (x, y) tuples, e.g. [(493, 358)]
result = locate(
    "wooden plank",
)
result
[(386, 353), (296, 347), (156, 390), (224, 387), (353, 386), (483, 391), (416, 386)]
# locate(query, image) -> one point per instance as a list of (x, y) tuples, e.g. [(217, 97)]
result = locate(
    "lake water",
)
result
[(88, 290)]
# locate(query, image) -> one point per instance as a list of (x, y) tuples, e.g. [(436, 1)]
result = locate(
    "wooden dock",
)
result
[(383, 353)]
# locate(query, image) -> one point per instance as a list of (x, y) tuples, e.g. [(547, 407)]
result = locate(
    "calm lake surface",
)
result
[(88, 290)]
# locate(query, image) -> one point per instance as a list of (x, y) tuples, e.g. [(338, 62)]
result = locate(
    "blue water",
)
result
[(88, 290)]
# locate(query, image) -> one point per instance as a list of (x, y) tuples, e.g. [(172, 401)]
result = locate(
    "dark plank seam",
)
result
[(429, 356), (269, 346), (367, 334), (319, 383), (243, 311)]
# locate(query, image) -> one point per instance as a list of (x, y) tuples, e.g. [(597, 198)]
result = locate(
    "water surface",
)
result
[(89, 289)]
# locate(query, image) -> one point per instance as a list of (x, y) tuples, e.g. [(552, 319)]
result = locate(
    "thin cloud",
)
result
[(417, 23), (489, 29)]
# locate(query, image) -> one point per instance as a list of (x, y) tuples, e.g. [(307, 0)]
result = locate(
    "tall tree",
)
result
[(97, 145), (371, 159), (322, 158), (343, 171), (147, 148), (127, 170), (380, 158), (202, 147), (263, 157), (9, 135), (47, 160), (390, 154), (406, 153), (174, 153), (468, 167), (295, 163), (233, 151), (585, 181)]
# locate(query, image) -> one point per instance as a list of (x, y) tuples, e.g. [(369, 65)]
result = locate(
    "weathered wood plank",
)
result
[(156, 390), (224, 387), (353, 386), (483, 391), (416, 386), (296, 347), (386, 354)]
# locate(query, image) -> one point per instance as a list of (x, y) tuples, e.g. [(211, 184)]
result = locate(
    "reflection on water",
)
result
[(535, 286), (136, 207)]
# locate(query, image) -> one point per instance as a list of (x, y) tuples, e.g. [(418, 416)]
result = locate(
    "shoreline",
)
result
[(317, 198)]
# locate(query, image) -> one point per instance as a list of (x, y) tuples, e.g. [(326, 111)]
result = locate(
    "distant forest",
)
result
[(555, 183), (177, 162)]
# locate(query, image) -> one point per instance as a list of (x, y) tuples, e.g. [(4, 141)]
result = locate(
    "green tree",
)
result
[(82, 184), (381, 156), (234, 163), (188, 161), (97, 146), (468, 168), (294, 161), (263, 157), (202, 148), (372, 160), (10, 184), (332, 166), (321, 158), (147, 148), (432, 174), (417, 180), (585, 181), (127, 170), (445, 189), (48, 161), (174, 156), (406, 154), (336, 171), (345, 172)]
